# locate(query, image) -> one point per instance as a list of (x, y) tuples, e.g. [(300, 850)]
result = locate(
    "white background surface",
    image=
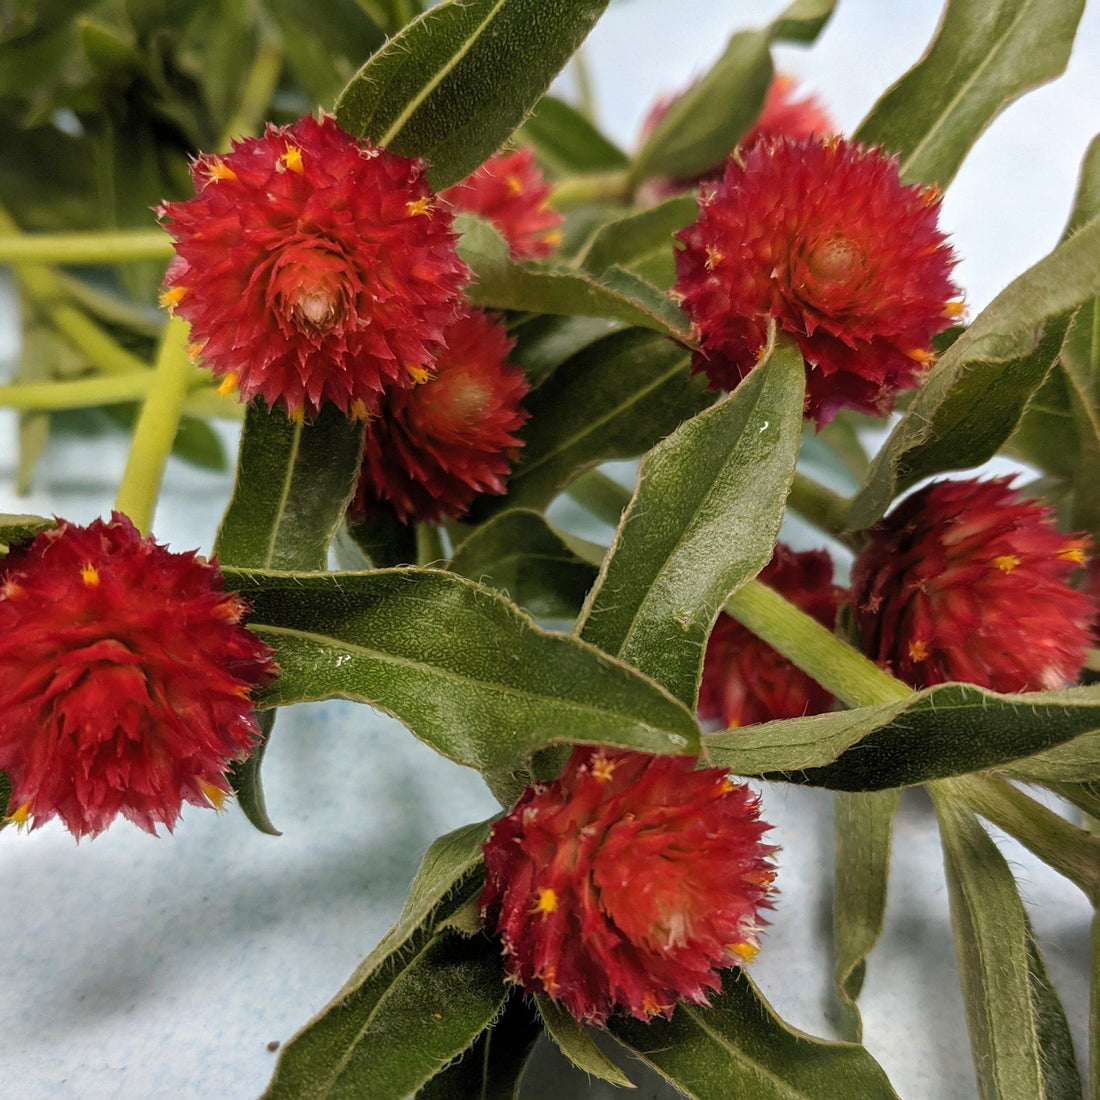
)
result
[(136, 967)]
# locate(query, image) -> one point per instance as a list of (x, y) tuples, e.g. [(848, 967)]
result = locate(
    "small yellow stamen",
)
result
[(20, 816), (172, 297), (931, 194), (603, 769), (759, 878), (89, 574), (358, 410), (714, 257), (552, 239), (651, 1006), (954, 309), (298, 416), (744, 951), (217, 169), (515, 184), (548, 975), (920, 355), (418, 374), (726, 785), (418, 206), (547, 903), (918, 651), (1073, 553), (1006, 562), (215, 794), (228, 384), (292, 158), (195, 350)]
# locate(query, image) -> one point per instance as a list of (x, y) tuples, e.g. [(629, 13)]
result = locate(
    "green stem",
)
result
[(81, 393), (110, 246), (259, 87), (429, 545), (603, 187), (586, 94), (104, 306), (835, 665), (156, 427), (823, 508), (1071, 851), (601, 495)]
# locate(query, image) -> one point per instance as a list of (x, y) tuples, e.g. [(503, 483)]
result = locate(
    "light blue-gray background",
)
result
[(134, 967)]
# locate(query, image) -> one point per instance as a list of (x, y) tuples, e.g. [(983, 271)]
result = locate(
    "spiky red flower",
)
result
[(431, 450), (744, 679), (125, 678), (509, 190), (784, 114), (965, 581), (822, 237), (628, 883), (313, 268)]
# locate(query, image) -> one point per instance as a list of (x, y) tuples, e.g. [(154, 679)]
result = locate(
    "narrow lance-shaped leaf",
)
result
[(244, 778), (703, 520), (948, 729), (802, 20), (502, 283), (614, 399), (456, 662), (740, 1047), (974, 397), (1075, 761), (294, 481), (863, 825), (985, 54), (1018, 1031), (455, 83), (566, 142), (577, 1045), (545, 341), (18, 529)]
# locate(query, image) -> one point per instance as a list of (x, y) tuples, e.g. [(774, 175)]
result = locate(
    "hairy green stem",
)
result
[(823, 508), (835, 665), (109, 246), (601, 187), (156, 427)]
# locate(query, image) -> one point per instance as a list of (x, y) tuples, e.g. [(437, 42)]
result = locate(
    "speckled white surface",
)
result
[(134, 967)]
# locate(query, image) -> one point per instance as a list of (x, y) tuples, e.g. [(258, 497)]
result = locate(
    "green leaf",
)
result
[(491, 1069), (948, 729), (244, 778), (457, 663), (985, 54), (420, 980), (455, 83), (1018, 1031), (1075, 761), (863, 825), (380, 544), (739, 1047), (803, 20), (704, 519), (294, 481), (577, 1045), (566, 142), (196, 442), (5, 799), (615, 399), (18, 529), (544, 342), (704, 124), (522, 555), (502, 283), (974, 397)]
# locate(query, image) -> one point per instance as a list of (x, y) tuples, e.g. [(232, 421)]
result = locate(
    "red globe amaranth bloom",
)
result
[(784, 114), (509, 190), (125, 678), (746, 681), (313, 268), (965, 581), (431, 450), (822, 237), (628, 883)]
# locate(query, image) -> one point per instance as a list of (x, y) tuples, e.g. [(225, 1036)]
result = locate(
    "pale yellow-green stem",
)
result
[(77, 393), (823, 508), (156, 427), (601, 187), (109, 246)]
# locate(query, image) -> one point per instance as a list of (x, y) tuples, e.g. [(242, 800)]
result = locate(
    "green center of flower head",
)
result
[(836, 260)]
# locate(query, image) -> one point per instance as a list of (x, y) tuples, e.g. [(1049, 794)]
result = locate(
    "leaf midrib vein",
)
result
[(284, 496)]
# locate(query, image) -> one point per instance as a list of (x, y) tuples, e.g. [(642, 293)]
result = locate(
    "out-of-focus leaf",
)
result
[(545, 341), (1074, 761), (196, 442), (502, 283), (457, 81), (379, 544), (1018, 1031), (803, 20), (566, 143), (522, 555), (456, 662), (948, 729), (985, 54), (294, 481), (740, 1047), (576, 1044), (704, 520), (615, 399)]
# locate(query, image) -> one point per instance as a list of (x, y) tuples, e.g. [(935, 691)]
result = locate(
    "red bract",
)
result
[(125, 678), (965, 581), (628, 883), (431, 450), (313, 268), (509, 190), (744, 679), (823, 238)]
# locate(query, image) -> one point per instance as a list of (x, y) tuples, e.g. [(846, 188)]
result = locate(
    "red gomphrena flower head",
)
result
[(509, 190), (628, 883), (823, 238), (125, 678), (313, 268), (429, 451), (965, 581), (746, 681), (784, 114)]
